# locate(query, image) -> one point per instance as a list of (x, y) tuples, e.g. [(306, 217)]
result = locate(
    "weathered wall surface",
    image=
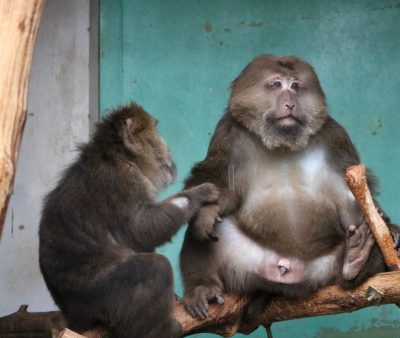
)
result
[(58, 118), (177, 58)]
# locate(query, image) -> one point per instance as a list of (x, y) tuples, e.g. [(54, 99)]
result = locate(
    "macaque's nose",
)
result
[(289, 106)]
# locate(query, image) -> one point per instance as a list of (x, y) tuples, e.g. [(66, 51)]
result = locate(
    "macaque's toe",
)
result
[(197, 304)]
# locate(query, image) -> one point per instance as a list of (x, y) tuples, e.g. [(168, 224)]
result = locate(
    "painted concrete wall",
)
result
[(177, 58), (58, 106)]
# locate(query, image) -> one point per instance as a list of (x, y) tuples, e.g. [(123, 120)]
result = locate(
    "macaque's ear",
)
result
[(135, 125), (128, 133)]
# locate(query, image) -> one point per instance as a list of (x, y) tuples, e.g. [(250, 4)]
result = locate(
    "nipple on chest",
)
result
[(284, 266)]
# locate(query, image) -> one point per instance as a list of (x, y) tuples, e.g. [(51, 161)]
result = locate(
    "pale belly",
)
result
[(242, 255), (292, 219)]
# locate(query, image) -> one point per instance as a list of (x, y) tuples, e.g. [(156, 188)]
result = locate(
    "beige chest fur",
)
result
[(294, 207), (285, 178)]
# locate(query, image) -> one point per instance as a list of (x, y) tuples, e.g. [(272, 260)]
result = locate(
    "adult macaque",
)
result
[(289, 222), (101, 224)]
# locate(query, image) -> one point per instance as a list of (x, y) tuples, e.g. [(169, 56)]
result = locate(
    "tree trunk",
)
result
[(19, 21)]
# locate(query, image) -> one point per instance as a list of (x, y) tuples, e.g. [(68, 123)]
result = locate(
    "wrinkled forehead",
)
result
[(287, 67), (265, 68)]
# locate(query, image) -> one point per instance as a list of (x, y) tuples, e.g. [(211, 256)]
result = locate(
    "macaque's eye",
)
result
[(277, 84), (295, 86)]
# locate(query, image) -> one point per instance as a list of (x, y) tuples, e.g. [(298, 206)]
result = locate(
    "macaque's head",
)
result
[(280, 100), (135, 135)]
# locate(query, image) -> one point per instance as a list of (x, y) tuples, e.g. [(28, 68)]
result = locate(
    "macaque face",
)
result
[(280, 100), (285, 111), (144, 141), (159, 150)]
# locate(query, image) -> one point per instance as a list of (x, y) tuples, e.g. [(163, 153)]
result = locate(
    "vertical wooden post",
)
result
[(356, 179), (19, 21)]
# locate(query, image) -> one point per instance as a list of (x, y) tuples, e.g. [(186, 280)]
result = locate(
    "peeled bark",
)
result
[(356, 180), (19, 21)]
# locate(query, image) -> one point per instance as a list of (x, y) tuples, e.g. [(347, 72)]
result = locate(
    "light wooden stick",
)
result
[(356, 180), (19, 21), (66, 333)]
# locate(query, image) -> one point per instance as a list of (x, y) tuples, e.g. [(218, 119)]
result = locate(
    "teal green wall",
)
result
[(177, 59)]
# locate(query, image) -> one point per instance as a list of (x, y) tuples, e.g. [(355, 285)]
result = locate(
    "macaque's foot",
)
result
[(257, 305), (359, 243), (396, 239), (203, 225), (197, 303)]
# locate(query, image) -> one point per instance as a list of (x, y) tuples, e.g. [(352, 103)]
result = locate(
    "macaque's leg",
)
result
[(137, 299), (359, 243), (258, 302), (395, 232)]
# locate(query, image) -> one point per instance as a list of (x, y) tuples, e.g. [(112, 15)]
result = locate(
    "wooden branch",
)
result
[(19, 21), (383, 288), (31, 324), (226, 320), (355, 177)]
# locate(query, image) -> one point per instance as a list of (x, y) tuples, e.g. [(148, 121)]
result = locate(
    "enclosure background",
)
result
[(177, 59)]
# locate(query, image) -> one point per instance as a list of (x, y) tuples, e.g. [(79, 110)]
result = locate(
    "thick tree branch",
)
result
[(383, 288), (19, 21), (226, 320)]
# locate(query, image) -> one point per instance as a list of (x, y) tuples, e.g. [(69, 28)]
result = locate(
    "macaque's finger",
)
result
[(213, 237), (350, 230), (220, 299), (396, 239), (202, 310)]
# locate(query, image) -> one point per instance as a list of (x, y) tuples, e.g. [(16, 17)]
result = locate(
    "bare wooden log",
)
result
[(19, 21), (383, 288), (226, 320), (31, 324), (355, 177)]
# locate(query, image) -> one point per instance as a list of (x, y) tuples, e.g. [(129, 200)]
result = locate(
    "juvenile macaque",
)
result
[(101, 224), (289, 222)]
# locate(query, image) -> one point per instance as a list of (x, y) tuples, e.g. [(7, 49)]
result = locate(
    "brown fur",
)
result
[(101, 225), (279, 201)]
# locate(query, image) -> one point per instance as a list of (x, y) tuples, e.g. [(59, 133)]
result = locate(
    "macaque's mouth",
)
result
[(171, 169), (287, 119)]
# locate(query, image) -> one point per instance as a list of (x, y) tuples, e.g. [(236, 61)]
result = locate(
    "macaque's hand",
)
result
[(359, 243), (395, 232), (201, 194), (203, 225)]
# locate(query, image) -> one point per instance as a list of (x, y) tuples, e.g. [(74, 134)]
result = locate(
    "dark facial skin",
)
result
[(288, 222), (101, 225)]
